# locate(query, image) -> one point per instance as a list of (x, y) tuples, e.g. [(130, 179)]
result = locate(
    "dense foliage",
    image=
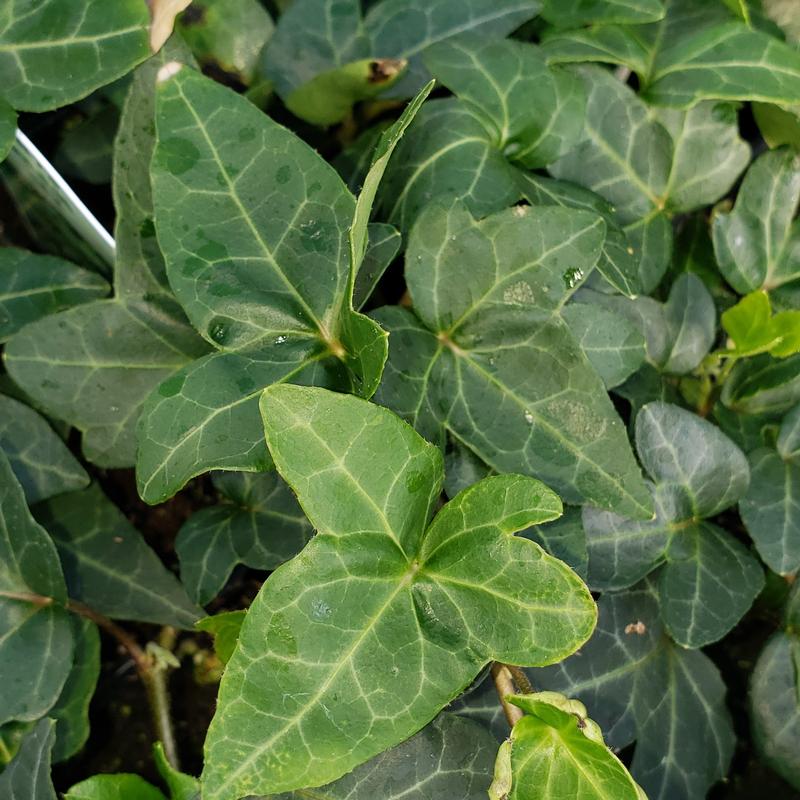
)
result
[(431, 420)]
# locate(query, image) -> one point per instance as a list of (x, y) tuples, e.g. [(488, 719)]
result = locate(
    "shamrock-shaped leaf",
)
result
[(381, 619), (707, 579), (28, 774), (494, 362)]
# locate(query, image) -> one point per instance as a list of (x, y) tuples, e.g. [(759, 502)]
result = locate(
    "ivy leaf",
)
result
[(533, 113), (36, 642), (472, 359), (109, 566), (383, 244), (556, 748), (28, 774), (57, 52), (758, 243), (8, 128), (71, 711), (763, 385), (42, 463), (428, 595), (669, 700), (753, 329), (33, 286), (114, 787), (224, 627), (574, 13), (261, 525), (181, 786)]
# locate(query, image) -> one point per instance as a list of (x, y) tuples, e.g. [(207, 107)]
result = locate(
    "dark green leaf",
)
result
[(763, 385), (383, 244), (27, 777), (8, 128), (573, 13)]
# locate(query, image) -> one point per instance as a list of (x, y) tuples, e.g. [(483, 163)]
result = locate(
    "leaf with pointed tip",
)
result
[(532, 113), (8, 128), (35, 635), (27, 777), (260, 525), (428, 595), (114, 787), (71, 711), (109, 566), (33, 286), (39, 458), (95, 364), (181, 786), (493, 361), (757, 244), (763, 385), (383, 244), (573, 13), (644, 688)]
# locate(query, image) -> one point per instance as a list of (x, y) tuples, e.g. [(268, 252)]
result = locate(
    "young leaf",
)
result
[(33, 286), (57, 52), (114, 787), (225, 629), (758, 243), (493, 361), (555, 750), (329, 637), (36, 641), (38, 457), (574, 13), (260, 525), (107, 563), (28, 774), (754, 330)]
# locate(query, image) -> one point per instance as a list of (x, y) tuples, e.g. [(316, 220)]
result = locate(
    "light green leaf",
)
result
[(614, 346), (669, 700), (35, 635), (181, 786), (573, 13), (557, 751), (753, 329), (40, 460), (778, 125), (95, 364), (228, 35), (707, 585), (763, 385), (225, 629), (8, 128), (261, 525), (758, 243), (532, 113), (33, 286), (57, 52), (114, 787), (428, 595), (109, 566), (492, 360), (71, 711), (28, 775)]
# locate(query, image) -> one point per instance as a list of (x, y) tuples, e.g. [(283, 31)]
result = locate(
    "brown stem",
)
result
[(521, 679), (504, 684)]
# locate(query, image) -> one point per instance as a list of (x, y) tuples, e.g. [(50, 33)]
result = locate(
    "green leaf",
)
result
[(758, 243), (426, 592), (383, 244), (33, 286), (225, 629), (669, 700), (109, 566), (28, 775), (775, 706), (763, 385), (788, 443), (532, 113), (40, 460), (778, 125), (573, 13), (493, 362), (95, 364), (261, 525), (114, 787), (266, 280), (181, 786), (35, 635), (557, 750), (227, 35), (71, 711), (8, 128), (58, 52), (753, 329), (614, 346)]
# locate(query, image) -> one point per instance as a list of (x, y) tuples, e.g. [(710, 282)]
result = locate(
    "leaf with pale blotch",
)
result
[(492, 360), (109, 566), (57, 52), (757, 244), (36, 641), (71, 711), (33, 286), (163, 13), (327, 628), (27, 777), (8, 128), (532, 113), (641, 687), (259, 524), (574, 13), (114, 787), (39, 458), (556, 751), (763, 385)]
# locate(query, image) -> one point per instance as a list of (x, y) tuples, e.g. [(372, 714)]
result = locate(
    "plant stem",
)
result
[(521, 679), (504, 683)]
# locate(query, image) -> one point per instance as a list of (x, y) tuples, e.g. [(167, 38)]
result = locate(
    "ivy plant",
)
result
[(399, 399)]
